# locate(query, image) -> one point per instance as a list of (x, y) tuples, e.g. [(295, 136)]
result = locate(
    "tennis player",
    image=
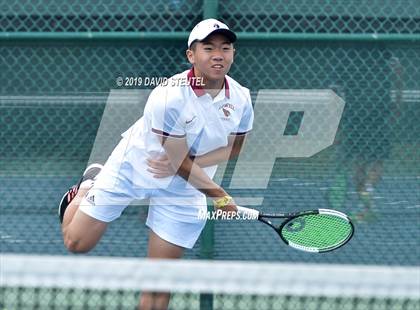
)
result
[(198, 119)]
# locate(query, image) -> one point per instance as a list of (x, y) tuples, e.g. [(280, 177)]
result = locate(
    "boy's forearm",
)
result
[(194, 175), (215, 157), (222, 154)]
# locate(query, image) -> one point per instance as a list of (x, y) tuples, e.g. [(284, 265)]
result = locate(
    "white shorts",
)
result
[(173, 218)]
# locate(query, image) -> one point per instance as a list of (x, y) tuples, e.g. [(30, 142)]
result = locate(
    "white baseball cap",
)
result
[(208, 26)]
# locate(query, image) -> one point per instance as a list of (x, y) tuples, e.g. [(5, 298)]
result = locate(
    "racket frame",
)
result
[(263, 217)]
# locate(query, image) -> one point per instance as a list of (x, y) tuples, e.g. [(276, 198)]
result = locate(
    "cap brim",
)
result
[(226, 32)]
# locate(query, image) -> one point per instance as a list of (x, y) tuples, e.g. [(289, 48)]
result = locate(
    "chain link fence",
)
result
[(304, 16)]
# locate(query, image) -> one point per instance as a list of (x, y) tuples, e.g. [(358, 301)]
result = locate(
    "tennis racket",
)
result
[(315, 231)]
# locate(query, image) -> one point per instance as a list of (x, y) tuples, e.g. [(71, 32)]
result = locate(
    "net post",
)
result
[(207, 238)]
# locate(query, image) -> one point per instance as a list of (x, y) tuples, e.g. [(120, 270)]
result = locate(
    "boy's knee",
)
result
[(76, 245), (82, 233)]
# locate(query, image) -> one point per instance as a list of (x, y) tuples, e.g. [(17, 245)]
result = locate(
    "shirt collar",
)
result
[(198, 89)]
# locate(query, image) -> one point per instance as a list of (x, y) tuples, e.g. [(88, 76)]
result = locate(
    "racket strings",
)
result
[(319, 231)]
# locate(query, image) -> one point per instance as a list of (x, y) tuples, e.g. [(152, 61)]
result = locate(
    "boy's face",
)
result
[(212, 57)]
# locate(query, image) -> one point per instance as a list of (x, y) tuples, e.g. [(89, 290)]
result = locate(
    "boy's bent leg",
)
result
[(81, 232)]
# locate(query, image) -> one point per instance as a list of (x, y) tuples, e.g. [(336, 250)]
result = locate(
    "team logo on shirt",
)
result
[(227, 110)]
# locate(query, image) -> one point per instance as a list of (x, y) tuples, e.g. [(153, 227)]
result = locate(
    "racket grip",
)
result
[(252, 213)]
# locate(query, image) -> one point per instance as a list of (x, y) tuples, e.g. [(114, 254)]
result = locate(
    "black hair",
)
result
[(194, 44)]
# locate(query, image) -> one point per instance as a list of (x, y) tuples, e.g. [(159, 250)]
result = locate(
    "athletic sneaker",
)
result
[(87, 179)]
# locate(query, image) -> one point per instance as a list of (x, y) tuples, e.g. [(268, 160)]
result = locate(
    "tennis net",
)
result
[(76, 282)]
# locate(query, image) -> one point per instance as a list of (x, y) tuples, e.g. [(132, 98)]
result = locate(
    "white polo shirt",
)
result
[(182, 109)]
